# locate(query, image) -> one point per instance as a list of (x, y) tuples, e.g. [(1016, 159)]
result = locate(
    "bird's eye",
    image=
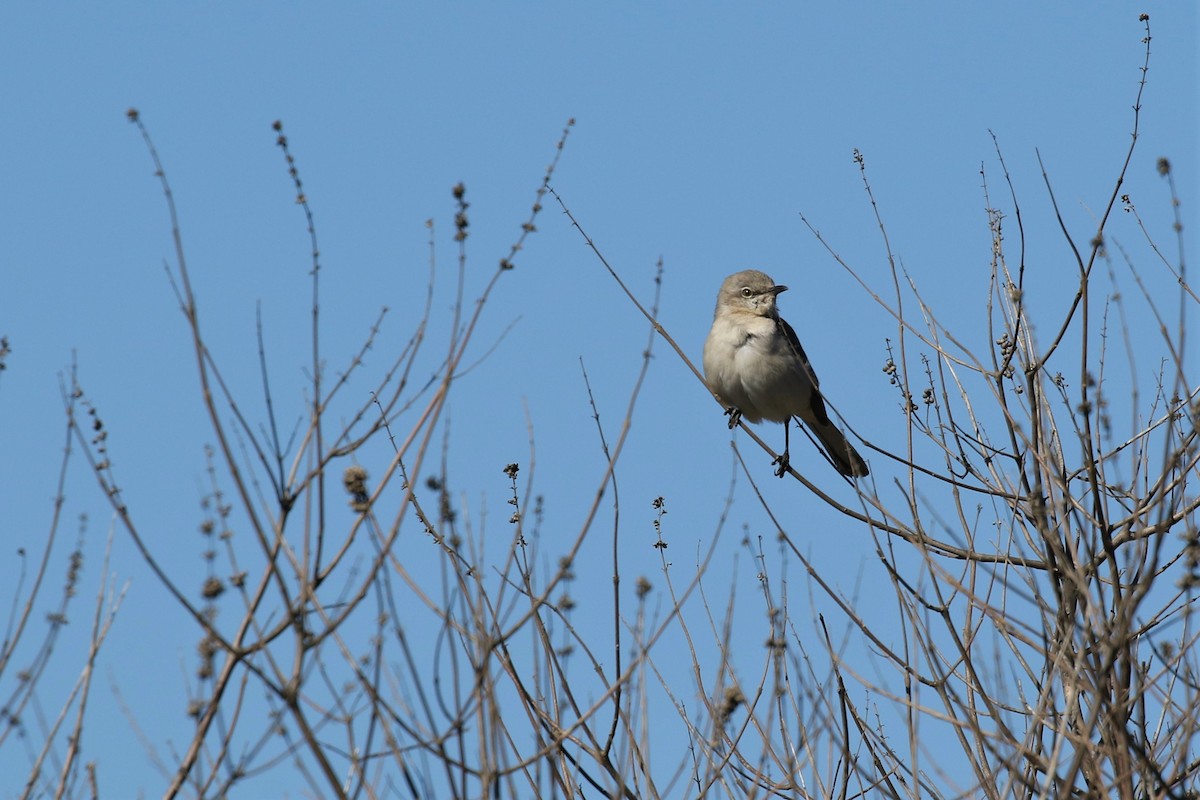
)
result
[(746, 291)]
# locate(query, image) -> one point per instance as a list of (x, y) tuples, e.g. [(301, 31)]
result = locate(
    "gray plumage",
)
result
[(755, 365)]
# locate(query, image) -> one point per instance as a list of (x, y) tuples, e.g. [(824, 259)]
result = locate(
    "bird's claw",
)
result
[(784, 463), (734, 415)]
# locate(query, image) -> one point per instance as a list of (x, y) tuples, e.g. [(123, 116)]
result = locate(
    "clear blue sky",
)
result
[(703, 131)]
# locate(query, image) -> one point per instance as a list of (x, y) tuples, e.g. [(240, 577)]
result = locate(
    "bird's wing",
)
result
[(817, 402), (794, 342)]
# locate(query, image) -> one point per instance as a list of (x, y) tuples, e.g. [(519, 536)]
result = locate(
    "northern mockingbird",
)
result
[(755, 365)]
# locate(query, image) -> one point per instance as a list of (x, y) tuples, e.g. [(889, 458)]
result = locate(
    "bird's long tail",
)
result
[(840, 451)]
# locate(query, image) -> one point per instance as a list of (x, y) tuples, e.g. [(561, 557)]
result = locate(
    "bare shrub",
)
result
[(1042, 554)]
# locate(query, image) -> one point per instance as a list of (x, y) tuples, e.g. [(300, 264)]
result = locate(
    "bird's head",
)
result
[(749, 291)]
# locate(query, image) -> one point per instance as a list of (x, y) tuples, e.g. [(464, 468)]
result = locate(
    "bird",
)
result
[(756, 368)]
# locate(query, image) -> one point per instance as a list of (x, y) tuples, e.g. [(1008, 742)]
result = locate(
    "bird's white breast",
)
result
[(747, 366)]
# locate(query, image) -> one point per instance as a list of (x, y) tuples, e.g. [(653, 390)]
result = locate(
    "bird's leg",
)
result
[(784, 461), (735, 416)]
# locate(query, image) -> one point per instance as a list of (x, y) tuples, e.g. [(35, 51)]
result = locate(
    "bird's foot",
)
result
[(734, 415), (784, 463)]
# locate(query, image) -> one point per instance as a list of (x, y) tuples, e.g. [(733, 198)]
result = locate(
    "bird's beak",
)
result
[(777, 290)]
